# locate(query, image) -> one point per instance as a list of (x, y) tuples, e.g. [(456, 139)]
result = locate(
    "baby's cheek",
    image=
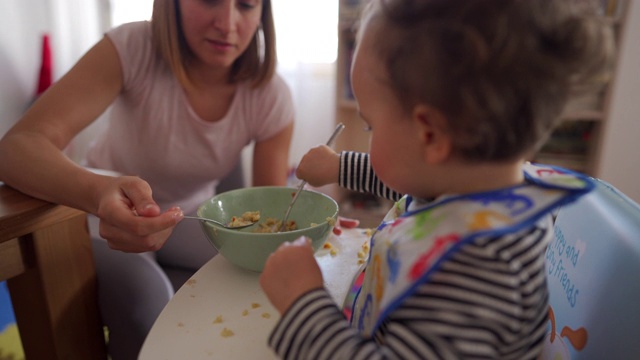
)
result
[(381, 161)]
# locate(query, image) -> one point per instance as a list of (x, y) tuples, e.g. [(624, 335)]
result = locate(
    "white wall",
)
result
[(73, 26), (620, 158), (22, 23)]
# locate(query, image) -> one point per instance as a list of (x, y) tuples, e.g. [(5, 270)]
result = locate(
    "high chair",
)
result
[(593, 268)]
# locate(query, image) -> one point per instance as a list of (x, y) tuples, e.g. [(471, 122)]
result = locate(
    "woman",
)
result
[(186, 93)]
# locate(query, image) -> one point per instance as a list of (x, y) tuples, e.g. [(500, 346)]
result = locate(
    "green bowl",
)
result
[(249, 249)]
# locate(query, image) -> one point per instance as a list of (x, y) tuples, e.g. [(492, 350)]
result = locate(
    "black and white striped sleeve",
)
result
[(487, 301), (357, 174)]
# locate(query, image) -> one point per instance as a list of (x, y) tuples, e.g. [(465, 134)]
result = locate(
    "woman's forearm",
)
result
[(33, 165)]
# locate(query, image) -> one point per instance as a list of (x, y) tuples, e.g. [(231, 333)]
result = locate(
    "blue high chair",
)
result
[(593, 270)]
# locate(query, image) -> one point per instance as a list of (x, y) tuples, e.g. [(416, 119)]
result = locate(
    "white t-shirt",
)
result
[(155, 134)]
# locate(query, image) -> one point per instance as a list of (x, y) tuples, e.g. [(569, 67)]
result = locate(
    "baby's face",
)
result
[(394, 144)]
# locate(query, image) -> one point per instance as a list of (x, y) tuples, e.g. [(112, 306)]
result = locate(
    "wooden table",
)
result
[(46, 258), (222, 313)]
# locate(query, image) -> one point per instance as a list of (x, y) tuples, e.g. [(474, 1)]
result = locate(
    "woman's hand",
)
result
[(130, 220), (319, 166), (290, 272)]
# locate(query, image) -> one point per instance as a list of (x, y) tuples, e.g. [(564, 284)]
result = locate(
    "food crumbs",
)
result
[(180, 324), (245, 312), (361, 255), (266, 315), (226, 333), (255, 305), (191, 282), (333, 252), (327, 245), (218, 319), (360, 261), (331, 221)]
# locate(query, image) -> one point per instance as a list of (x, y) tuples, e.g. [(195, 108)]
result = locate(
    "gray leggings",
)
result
[(134, 288)]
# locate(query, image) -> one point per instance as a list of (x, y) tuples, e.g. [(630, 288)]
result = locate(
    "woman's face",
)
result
[(219, 31)]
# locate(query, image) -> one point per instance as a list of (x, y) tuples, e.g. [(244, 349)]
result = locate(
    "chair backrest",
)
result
[(593, 274)]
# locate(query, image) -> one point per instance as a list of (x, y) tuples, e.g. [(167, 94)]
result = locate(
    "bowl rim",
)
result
[(334, 216)]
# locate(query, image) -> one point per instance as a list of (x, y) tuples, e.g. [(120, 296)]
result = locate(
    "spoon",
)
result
[(226, 226), (333, 137)]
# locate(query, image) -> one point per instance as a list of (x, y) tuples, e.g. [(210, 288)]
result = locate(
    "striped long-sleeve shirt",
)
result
[(357, 174), (488, 301)]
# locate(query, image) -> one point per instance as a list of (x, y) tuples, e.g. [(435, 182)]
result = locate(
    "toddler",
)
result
[(457, 95)]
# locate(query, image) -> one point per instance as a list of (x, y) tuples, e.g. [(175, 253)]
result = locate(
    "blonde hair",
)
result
[(257, 63)]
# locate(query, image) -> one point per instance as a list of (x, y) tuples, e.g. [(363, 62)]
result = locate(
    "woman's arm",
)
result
[(271, 159), (32, 159)]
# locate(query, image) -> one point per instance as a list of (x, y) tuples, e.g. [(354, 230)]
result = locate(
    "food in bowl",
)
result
[(314, 214), (247, 218), (272, 225)]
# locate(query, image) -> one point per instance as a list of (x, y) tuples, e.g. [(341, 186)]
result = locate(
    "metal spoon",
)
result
[(333, 137), (226, 226)]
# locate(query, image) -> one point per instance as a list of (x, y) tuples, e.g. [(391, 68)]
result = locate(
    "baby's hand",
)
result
[(319, 166), (290, 272)]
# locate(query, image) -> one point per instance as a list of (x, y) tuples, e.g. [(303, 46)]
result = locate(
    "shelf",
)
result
[(605, 9), (586, 115), (572, 162)]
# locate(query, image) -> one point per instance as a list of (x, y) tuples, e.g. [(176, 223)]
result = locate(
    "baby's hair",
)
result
[(500, 70)]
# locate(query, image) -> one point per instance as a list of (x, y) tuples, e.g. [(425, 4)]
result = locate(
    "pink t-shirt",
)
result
[(155, 134)]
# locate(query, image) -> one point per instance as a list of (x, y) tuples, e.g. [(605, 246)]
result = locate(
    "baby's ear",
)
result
[(434, 134)]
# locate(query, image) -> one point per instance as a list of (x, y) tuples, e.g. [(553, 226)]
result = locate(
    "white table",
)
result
[(187, 327)]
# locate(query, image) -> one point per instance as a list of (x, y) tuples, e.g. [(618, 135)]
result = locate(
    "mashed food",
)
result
[(272, 225), (248, 218)]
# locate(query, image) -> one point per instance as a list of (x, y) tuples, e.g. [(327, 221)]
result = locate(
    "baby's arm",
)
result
[(289, 273), (352, 170), (357, 174), (466, 311)]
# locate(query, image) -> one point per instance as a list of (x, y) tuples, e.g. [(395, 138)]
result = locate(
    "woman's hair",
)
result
[(500, 70), (257, 63)]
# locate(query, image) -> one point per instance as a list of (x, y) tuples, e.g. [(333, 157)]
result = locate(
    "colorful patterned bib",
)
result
[(410, 245)]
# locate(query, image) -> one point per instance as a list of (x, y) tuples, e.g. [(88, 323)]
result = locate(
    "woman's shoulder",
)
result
[(134, 45), (140, 29), (132, 38)]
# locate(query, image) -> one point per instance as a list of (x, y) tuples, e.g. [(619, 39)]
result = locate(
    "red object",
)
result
[(46, 68), (348, 223)]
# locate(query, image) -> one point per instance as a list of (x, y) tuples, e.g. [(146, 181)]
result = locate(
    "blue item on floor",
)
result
[(6, 310), (10, 344)]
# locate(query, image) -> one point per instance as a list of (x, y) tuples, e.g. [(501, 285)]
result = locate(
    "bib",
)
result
[(410, 244)]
